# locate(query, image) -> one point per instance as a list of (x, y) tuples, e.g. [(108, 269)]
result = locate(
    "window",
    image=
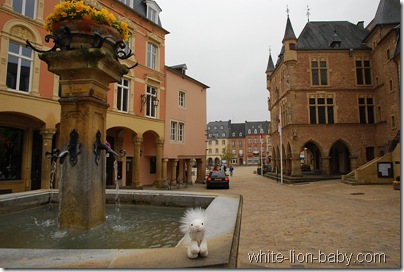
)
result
[(216, 142), (366, 109), (19, 67), (319, 72), (240, 143), (151, 56), (181, 99), (173, 132), (249, 141), (25, 7), (321, 108), (123, 95), (363, 72), (153, 164), (181, 132), (153, 11), (210, 151), (152, 15), (223, 134), (249, 131), (216, 150), (233, 143), (393, 122), (177, 130), (223, 142), (210, 142), (240, 134), (233, 134), (255, 141), (249, 149), (10, 153), (151, 96), (127, 2), (370, 153)]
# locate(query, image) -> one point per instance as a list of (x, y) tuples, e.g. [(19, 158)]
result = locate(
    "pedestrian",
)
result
[(231, 170), (215, 168), (224, 168)]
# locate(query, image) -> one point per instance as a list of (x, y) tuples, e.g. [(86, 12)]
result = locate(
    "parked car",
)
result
[(217, 179)]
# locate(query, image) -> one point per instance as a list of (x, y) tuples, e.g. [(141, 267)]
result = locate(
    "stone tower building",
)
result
[(336, 92)]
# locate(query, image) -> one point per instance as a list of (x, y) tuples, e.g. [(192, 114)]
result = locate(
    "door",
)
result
[(129, 171)]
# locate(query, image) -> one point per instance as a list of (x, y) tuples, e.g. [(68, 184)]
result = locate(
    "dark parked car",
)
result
[(217, 179)]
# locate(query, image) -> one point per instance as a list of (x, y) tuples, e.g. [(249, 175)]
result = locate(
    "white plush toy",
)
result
[(193, 223)]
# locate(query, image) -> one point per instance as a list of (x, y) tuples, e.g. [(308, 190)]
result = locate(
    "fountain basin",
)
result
[(224, 212)]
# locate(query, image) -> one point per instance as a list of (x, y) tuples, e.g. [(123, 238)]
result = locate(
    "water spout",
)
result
[(98, 146), (72, 149)]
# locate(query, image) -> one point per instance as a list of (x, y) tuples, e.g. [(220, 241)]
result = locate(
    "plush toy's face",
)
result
[(197, 225)]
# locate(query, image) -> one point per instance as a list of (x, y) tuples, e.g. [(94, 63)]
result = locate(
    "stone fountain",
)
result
[(85, 57), (87, 61)]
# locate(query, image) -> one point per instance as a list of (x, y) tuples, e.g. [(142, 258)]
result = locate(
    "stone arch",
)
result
[(313, 154), (340, 162), (21, 31)]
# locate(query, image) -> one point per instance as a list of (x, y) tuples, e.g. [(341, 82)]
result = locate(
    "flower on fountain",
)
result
[(78, 9)]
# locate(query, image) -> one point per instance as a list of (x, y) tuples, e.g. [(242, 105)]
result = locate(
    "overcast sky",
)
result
[(225, 44)]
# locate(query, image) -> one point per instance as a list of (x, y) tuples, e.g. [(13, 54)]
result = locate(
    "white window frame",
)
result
[(151, 95), (152, 52), (123, 88), (181, 99), (153, 11), (20, 59), (24, 8), (173, 131), (181, 132)]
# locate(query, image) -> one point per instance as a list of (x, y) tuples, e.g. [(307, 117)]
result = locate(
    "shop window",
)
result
[(10, 153)]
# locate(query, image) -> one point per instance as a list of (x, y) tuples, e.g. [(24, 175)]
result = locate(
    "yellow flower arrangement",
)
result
[(74, 9)]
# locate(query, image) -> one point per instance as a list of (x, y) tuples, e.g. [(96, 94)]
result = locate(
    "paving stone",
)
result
[(310, 219)]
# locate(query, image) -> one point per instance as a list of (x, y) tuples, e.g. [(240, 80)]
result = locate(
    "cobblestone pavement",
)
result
[(322, 224)]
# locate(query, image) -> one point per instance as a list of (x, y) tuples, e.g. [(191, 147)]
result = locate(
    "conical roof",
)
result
[(289, 33), (388, 12), (270, 66)]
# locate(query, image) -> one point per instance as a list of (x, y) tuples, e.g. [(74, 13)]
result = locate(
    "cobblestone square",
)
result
[(322, 224)]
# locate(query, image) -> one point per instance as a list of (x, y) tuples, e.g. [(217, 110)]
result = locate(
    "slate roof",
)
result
[(237, 129), (289, 33), (270, 66), (388, 12), (218, 131), (139, 6), (320, 35), (255, 125)]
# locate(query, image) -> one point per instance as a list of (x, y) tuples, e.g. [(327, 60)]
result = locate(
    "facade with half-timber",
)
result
[(335, 91)]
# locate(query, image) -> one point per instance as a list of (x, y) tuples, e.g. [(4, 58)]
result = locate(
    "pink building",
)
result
[(185, 122)]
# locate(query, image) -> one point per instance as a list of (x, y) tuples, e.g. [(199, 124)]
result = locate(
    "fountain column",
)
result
[(85, 75)]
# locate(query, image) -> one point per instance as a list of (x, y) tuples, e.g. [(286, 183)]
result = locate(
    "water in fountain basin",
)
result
[(136, 226)]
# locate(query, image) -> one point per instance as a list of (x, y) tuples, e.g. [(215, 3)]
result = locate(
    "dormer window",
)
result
[(153, 11)]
